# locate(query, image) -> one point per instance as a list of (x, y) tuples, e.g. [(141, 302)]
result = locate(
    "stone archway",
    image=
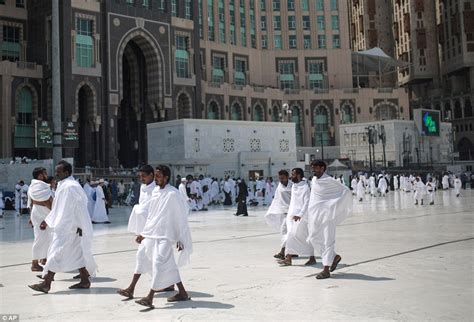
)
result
[(236, 112), (466, 149), (213, 111), (258, 114), (86, 113), (184, 106), (141, 93), (386, 111)]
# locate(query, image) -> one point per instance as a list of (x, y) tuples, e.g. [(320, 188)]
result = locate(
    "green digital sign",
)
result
[(430, 123)]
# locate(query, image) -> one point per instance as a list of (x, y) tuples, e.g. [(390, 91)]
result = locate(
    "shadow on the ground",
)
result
[(93, 279), (198, 305), (362, 277), (191, 294), (92, 290)]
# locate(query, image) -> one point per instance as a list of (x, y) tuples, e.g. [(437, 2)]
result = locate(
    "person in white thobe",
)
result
[(329, 204), (297, 220), (71, 247), (360, 190), (354, 185), (269, 192), (2, 204), (166, 228), (420, 188), (100, 212), (39, 191), (90, 199), (372, 185), (215, 194), (457, 186), (382, 187), (137, 221), (18, 198), (278, 210), (430, 188), (395, 183)]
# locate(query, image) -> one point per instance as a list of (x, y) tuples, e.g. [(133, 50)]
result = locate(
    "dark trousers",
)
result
[(228, 199)]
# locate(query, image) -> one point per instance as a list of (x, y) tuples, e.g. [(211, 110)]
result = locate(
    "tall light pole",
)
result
[(56, 75)]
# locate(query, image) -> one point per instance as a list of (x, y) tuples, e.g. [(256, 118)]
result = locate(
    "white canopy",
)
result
[(336, 164)]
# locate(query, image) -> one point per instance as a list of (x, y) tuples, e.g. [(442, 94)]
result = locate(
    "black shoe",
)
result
[(236, 215), (245, 215)]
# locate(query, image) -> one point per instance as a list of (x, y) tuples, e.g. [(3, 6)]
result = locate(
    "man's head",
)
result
[(283, 177), (183, 180), (40, 173), (146, 174), (162, 175), (318, 167), (21, 183), (63, 170), (297, 174)]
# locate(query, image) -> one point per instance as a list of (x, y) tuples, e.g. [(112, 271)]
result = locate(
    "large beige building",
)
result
[(128, 63), (435, 38)]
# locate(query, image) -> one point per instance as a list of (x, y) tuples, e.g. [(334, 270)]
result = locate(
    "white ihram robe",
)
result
[(457, 186), (430, 189), (215, 196), (330, 203), (278, 210), (373, 189), (167, 225), (90, 201), (354, 186), (395, 183), (382, 186), (420, 188), (69, 251), (296, 241), (39, 191), (445, 182), (137, 219), (360, 190), (100, 213)]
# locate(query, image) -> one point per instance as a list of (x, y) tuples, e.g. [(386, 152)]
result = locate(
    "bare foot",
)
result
[(41, 287), (145, 301), (82, 285), (126, 292), (310, 262)]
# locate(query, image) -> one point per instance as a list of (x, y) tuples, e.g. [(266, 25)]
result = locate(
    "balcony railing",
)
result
[(25, 65)]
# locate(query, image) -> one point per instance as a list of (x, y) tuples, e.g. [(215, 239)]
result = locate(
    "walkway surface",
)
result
[(400, 262)]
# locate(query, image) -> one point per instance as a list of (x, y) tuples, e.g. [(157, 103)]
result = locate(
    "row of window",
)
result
[(304, 4), (161, 5), (292, 42), (11, 46), (18, 3), (306, 23)]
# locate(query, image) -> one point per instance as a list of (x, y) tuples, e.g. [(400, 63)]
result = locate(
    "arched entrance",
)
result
[(258, 113), (213, 111), (457, 110), (347, 114), (85, 154), (275, 114), (236, 112), (141, 96), (321, 126), (296, 118), (25, 112), (385, 111), (466, 149), (184, 107)]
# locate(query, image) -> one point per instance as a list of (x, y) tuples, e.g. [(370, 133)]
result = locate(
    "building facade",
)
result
[(436, 41), (128, 63)]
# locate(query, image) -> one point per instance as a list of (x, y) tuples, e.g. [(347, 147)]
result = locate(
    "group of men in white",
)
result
[(63, 232), (363, 185), (96, 201), (306, 215)]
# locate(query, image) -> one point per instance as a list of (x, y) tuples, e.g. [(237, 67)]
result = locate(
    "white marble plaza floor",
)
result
[(399, 262)]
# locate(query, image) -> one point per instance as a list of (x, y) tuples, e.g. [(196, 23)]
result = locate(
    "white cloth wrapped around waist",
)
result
[(38, 191)]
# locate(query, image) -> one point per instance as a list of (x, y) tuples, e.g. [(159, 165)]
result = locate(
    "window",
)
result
[(11, 47), (287, 74), (277, 41), (336, 41), (130, 2), (222, 38), (264, 42), (335, 22), (307, 41), (321, 126), (291, 5), (291, 22), (218, 66), (243, 37), (24, 127), (210, 20), (321, 41), (292, 41), (276, 5), (276, 23), (334, 5), (161, 5), (84, 43), (316, 71), (263, 23), (146, 4), (305, 5), (306, 23), (188, 9), (320, 22), (174, 8), (262, 5), (20, 3), (239, 73), (320, 5), (182, 57)]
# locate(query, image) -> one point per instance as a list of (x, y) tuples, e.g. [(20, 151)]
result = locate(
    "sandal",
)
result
[(336, 261), (323, 275), (144, 302), (39, 288), (279, 256), (178, 298), (125, 293), (168, 289), (80, 286)]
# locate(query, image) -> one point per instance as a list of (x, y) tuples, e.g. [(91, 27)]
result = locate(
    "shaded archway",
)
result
[(236, 112), (258, 113), (457, 110), (468, 108), (26, 108), (142, 89), (466, 149), (296, 118), (275, 114), (447, 111), (85, 154), (347, 114), (213, 111), (385, 111), (184, 106), (321, 126)]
